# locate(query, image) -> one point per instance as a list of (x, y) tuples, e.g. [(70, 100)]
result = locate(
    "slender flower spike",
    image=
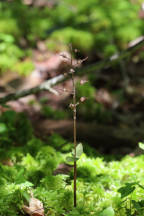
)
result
[(73, 106), (82, 99)]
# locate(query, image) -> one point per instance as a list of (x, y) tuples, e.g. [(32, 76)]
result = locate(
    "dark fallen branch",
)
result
[(47, 85), (116, 58)]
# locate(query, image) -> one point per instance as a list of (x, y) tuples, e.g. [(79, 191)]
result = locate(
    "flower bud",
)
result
[(72, 71), (82, 99), (71, 105)]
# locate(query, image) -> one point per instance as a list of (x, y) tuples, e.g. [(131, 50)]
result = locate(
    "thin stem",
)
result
[(74, 131)]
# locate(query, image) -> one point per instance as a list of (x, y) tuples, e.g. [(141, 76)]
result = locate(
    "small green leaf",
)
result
[(140, 186), (70, 159), (3, 128), (20, 177), (107, 212), (136, 205), (126, 190), (79, 150), (26, 196), (141, 145)]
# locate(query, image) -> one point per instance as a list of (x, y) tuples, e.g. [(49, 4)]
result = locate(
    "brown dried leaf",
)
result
[(35, 207)]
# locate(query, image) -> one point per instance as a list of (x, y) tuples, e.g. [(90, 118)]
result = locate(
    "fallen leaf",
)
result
[(35, 207)]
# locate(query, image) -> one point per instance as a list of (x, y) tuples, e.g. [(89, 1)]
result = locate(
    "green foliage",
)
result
[(91, 26), (15, 129), (12, 194), (83, 40), (98, 182), (79, 151), (105, 29), (59, 143), (90, 109), (127, 189), (56, 140), (51, 161), (89, 106), (108, 211), (48, 112), (10, 53), (86, 90), (3, 128), (141, 145), (24, 68)]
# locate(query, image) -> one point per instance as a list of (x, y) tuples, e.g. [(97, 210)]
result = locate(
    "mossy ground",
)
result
[(34, 161)]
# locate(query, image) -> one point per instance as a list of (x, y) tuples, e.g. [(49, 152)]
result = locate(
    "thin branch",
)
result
[(47, 85), (109, 62)]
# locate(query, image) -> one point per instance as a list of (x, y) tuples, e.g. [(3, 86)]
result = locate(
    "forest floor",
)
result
[(36, 138)]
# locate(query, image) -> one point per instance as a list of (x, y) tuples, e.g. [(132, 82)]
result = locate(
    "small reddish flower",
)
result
[(71, 106), (72, 71), (82, 99)]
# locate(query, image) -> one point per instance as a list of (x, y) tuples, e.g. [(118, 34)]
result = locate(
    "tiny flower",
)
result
[(83, 82), (82, 99), (72, 71), (76, 50), (71, 105)]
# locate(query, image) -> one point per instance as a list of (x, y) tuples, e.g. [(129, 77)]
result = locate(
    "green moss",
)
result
[(10, 53), (98, 180), (48, 112), (9, 26), (82, 40), (24, 68)]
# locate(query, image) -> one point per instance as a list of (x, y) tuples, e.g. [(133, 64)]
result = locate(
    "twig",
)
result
[(47, 85)]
